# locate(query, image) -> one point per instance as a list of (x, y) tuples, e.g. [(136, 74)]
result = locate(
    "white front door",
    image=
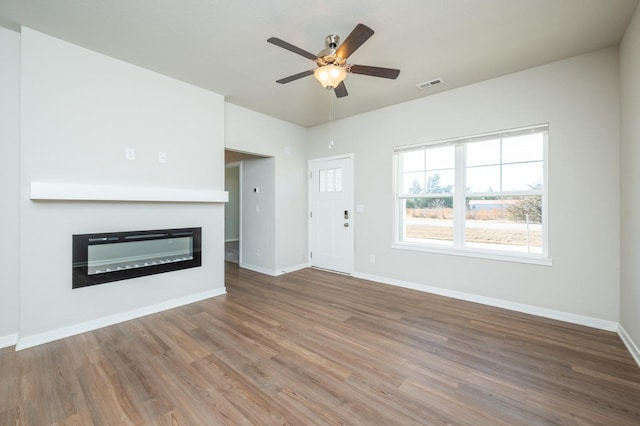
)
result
[(331, 214)]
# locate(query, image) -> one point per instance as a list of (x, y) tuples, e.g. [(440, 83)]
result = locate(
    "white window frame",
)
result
[(459, 199)]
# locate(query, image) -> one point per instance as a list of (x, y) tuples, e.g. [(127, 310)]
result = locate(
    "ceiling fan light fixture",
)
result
[(332, 66), (330, 76)]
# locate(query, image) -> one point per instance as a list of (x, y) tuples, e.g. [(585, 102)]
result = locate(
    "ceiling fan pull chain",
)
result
[(331, 96)]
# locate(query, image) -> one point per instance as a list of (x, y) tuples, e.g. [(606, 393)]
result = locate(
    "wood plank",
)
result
[(311, 347)]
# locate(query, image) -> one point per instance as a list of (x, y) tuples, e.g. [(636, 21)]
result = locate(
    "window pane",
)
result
[(505, 224), (323, 180), (428, 220), (412, 183), (330, 180), (522, 148), (483, 179), (522, 176), (337, 179), (442, 181), (483, 153), (413, 161), (440, 158)]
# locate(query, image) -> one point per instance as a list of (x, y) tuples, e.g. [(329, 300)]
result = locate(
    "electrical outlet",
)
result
[(162, 157), (129, 154), (372, 258)]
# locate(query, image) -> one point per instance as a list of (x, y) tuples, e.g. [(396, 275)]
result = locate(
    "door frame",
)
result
[(238, 164), (351, 204)]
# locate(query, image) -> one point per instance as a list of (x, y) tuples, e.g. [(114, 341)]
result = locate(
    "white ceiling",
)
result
[(221, 45)]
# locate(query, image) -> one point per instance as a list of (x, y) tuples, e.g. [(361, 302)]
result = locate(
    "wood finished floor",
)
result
[(312, 347)]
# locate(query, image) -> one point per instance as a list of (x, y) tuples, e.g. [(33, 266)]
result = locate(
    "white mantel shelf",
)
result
[(91, 192)]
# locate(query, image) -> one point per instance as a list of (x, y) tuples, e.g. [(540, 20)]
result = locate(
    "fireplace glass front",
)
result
[(114, 256)]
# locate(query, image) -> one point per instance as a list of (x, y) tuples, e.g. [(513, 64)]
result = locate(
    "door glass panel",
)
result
[(330, 180)]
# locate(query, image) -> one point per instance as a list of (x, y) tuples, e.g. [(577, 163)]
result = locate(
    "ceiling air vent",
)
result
[(429, 83)]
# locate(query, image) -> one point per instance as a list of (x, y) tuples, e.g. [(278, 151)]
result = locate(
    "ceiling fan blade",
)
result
[(341, 90), (295, 76), (358, 36), (375, 71), (290, 47)]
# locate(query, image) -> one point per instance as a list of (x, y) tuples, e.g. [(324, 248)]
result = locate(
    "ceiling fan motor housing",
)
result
[(332, 41), (328, 56)]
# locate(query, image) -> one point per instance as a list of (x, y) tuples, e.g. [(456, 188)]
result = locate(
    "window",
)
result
[(481, 196)]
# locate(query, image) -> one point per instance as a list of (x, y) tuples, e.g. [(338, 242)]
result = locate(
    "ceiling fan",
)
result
[(332, 61)]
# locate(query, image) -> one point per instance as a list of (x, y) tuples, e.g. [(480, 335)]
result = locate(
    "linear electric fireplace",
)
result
[(115, 256)]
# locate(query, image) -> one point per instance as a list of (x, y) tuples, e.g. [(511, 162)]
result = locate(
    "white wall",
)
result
[(259, 215), (249, 131), (579, 98), (232, 207), (9, 185), (630, 179), (79, 111)]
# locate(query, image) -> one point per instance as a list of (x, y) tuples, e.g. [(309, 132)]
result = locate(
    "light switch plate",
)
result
[(129, 154)]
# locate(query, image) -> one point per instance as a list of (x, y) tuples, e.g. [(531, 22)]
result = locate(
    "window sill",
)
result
[(479, 254)]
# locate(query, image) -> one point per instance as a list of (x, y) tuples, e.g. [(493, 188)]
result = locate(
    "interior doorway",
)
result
[(233, 235)]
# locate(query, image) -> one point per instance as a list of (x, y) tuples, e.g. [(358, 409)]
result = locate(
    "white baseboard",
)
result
[(294, 268), (259, 269), (272, 272), (61, 333), (8, 340), (499, 303), (630, 344)]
